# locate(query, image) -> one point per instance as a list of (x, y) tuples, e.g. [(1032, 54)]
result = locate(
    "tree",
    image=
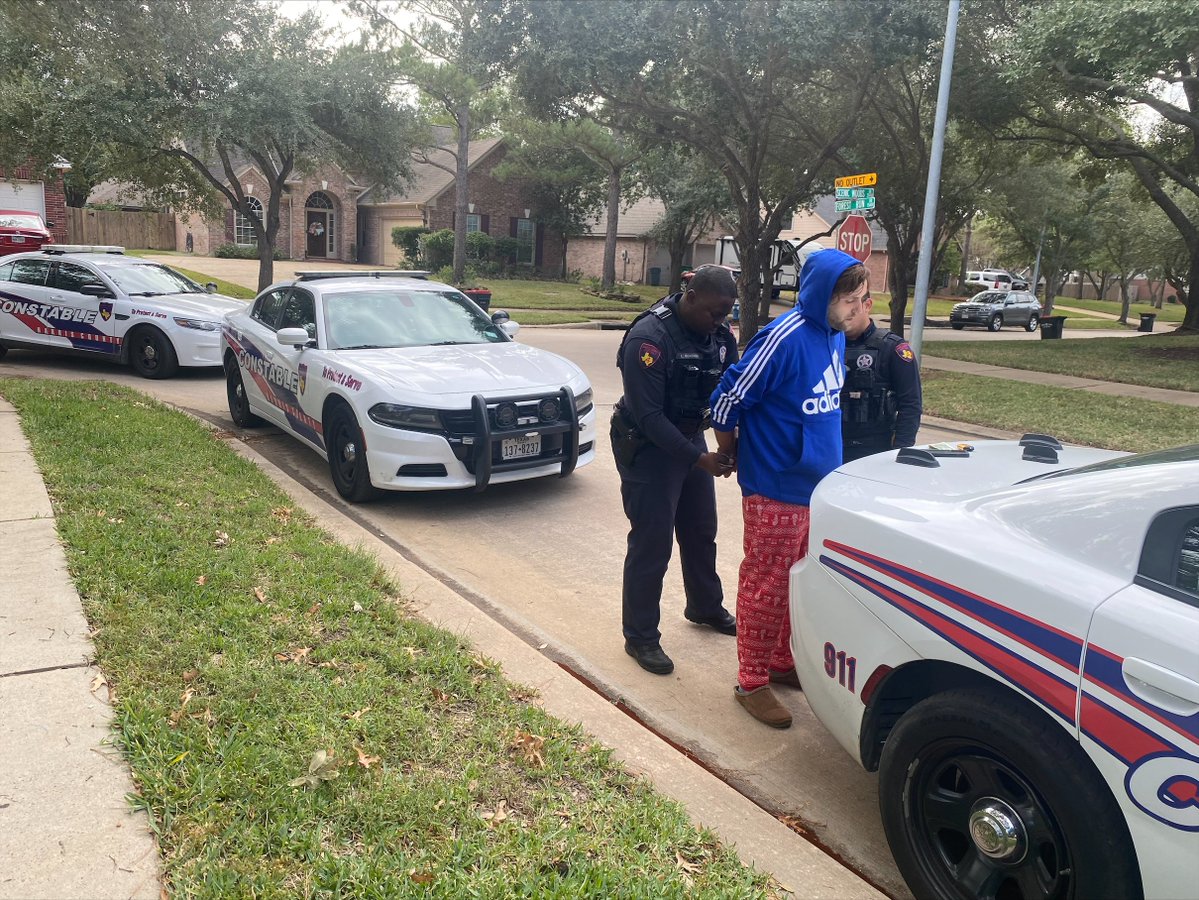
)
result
[(180, 92), (452, 53), (1125, 224), (751, 85), (1120, 80)]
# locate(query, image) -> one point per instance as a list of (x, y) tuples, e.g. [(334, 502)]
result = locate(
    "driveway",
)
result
[(245, 271)]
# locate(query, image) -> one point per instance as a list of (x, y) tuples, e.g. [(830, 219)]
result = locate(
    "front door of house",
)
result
[(319, 224)]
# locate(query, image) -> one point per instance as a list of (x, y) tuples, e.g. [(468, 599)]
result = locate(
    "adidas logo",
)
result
[(826, 393)]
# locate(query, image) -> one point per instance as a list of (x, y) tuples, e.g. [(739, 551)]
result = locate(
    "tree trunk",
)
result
[(608, 281), (268, 237), (1190, 296), (1124, 301), (898, 286), (461, 191), (678, 252), (750, 284), (966, 249)]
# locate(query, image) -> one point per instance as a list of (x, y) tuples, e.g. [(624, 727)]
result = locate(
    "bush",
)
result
[(470, 277), (480, 246), (437, 249), (242, 251), (408, 239)]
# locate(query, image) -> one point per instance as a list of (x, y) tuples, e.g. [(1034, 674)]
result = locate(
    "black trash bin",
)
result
[(1147, 321), (655, 275), (1051, 327)]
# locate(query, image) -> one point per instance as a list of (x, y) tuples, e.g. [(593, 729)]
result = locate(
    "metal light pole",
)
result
[(923, 269), (1036, 269)]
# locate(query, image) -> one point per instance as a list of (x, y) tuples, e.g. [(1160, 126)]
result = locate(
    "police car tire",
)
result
[(957, 327), (239, 403), (1031, 764), (1033, 321), (351, 478), (163, 364), (3, 351)]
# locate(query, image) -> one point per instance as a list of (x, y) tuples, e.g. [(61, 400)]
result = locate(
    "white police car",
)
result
[(1010, 636), (404, 384), (95, 301)]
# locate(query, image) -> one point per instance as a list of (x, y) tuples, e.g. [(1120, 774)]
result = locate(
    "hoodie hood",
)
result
[(817, 278)]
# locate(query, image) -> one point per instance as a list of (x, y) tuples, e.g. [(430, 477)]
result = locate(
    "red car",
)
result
[(21, 230)]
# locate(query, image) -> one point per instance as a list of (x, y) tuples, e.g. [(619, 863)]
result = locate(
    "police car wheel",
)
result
[(996, 322), (347, 456), (151, 353), (957, 326), (983, 795), (239, 403), (3, 351), (1033, 321)]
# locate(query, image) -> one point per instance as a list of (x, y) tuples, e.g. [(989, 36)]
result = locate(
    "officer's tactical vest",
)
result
[(868, 405), (693, 373)]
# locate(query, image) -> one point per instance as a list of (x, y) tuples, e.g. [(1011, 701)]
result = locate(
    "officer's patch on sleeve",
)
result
[(904, 351), (649, 354)]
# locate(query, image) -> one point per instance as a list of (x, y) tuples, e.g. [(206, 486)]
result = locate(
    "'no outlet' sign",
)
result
[(854, 238)]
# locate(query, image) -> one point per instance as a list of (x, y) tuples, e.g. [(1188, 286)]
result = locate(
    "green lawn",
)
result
[(560, 295), (1170, 312), (292, 729), (1077, 417), (1160, 360)]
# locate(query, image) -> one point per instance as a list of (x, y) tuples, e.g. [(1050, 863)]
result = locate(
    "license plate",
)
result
[(520, 447), (18, 238)]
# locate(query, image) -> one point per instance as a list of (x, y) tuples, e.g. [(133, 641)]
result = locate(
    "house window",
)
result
[(243, 230), (474, 223), (526, 236)]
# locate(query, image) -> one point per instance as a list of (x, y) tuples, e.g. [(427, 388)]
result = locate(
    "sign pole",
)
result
[(923, 269)]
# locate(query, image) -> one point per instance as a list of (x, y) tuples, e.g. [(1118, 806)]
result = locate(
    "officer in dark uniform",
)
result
[(880, 402), (671, 360)]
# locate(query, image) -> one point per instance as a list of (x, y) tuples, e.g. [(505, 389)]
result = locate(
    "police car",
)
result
[(95, 301), (404, 384), (1009, 633)]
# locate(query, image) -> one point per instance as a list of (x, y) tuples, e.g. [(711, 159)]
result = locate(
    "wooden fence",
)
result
[(136, 230)]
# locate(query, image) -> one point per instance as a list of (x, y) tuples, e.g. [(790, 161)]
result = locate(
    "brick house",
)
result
[(498, 208), (27, 189)]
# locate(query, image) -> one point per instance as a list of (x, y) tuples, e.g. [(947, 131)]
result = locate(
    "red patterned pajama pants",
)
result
[(776, 536)]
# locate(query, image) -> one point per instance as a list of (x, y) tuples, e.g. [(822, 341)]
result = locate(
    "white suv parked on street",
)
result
[(404, 384)]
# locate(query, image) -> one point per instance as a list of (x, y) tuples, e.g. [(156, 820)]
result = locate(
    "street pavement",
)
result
[(541, 562)]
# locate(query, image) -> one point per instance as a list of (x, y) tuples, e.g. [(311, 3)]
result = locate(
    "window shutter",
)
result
[(485, 224), (512, 226), (539, 252), (230, 235)]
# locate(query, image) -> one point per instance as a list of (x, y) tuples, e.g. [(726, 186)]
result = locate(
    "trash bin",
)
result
[(481, 296), (655, 275), (1051, 327), (1147, 321)]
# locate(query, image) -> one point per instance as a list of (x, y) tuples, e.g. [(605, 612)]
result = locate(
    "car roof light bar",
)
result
[(59, 249), (373, 273)]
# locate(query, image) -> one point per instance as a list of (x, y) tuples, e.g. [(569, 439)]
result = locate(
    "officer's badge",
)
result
[(905, 352), (303, 376), (105, 311), (649, 354), (724, 351), (865, 361)]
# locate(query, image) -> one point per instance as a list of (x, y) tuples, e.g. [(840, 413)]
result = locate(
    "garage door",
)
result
[(392, 255), (26, 195)]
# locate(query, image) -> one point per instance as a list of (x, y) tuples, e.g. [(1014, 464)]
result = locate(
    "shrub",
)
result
[(437, 249), (408, 239), (242, 251), (479, 246)]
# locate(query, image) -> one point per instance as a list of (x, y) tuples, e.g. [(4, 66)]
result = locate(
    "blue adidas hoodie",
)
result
[(785, 393)]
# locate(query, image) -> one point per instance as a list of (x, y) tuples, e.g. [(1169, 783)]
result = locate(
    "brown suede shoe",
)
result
[(764, 706), (790, 678)]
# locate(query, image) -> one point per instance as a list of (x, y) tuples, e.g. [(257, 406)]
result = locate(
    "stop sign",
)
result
[(854, 238)]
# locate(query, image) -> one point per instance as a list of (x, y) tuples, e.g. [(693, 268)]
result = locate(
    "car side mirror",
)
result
[(510, 328), (49, 225), (295, 337), (499, 317), (95, 290), (210, 287)]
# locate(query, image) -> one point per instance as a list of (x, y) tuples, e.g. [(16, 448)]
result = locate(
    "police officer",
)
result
[(880, 402), (671, 359)]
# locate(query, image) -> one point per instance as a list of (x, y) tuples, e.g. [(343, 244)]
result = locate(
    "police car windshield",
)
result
[(1189, 453), (397, 317), (149, 279)]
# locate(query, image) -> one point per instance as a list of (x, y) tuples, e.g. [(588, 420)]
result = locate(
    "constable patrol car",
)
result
[(94, 300), (404, 384), (1009, 633)]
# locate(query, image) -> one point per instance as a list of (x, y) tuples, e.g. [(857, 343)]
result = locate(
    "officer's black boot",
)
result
[(650, 657)]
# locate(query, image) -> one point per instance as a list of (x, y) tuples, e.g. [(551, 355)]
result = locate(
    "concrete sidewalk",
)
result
[(66, 829)]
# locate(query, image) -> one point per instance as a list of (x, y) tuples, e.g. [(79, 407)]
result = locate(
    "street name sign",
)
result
[(851, 205), (853, 193)]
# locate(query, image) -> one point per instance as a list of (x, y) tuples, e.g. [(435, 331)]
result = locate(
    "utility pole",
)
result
[(924, 268)]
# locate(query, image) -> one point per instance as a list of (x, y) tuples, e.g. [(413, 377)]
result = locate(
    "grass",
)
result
[(1072, 416), (1160, 360), (561, 295), (1170, 312), (241, 642), (539, 317)]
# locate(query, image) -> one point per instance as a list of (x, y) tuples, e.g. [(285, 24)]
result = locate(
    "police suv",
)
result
[(404, 384), (95, 301), (1009, 633)]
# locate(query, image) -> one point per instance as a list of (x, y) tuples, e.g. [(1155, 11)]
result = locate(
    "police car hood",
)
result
[(990, 466), (464, 369), (210, 307)]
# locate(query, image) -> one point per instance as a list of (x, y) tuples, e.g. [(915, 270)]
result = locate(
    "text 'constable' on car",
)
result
[(404, 384), (95, 301), (1009, 633)]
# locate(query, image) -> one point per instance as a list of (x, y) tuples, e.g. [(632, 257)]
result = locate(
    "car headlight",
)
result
[(197, 324), (583, 401), (395, 415)]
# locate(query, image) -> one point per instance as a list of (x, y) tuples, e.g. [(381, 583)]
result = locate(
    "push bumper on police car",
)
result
[(496, 440)]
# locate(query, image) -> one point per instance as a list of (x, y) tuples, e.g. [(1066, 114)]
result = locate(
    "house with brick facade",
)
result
[(26, 189)]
